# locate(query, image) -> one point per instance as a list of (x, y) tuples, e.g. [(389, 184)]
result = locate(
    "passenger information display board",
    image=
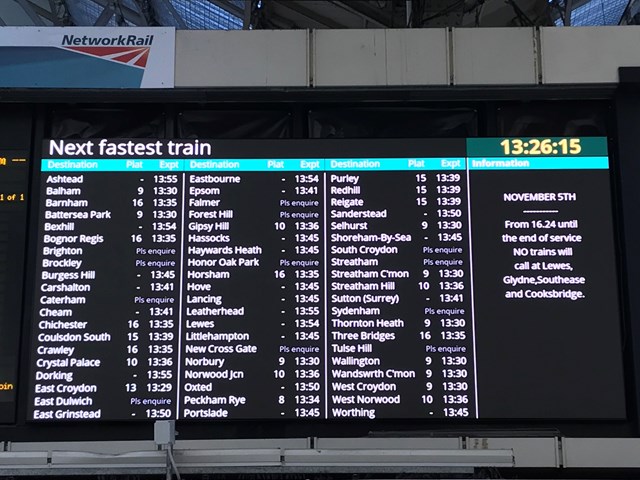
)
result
[(340, 280)]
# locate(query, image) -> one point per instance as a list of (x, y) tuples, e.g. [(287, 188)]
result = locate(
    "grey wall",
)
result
[(404, 57)]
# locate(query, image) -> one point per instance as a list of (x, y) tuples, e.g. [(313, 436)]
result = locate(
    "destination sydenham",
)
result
[(369, 311)]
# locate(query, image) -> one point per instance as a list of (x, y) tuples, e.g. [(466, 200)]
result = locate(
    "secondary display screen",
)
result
[(329, 280)]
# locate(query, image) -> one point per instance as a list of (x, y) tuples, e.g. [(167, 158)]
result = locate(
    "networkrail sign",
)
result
[(120, 40), (87, 57)]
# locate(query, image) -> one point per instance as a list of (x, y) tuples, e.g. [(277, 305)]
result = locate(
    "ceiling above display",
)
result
[(318, 14)]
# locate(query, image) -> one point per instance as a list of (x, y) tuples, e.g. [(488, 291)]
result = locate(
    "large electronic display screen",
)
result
[(325, 280)]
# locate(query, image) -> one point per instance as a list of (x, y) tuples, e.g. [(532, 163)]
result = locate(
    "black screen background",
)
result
[(553, 360), (546, 358)]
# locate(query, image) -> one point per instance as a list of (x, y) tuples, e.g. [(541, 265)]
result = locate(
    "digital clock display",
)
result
[(546, 146)]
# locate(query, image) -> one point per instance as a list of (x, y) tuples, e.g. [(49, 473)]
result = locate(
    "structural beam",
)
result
[(27, 7), (130, 15), (246, 15), (296, 7), (174, 13), (368, 14), (230, 7), (44, 13), (105, 16), (567, 13)]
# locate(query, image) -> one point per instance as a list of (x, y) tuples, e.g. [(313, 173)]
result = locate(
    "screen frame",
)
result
[(487, 101)]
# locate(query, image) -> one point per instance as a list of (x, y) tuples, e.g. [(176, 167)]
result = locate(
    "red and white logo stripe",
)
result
[(134, 56)]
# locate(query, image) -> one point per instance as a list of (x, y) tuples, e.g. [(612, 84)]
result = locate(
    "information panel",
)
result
[(353, 280)]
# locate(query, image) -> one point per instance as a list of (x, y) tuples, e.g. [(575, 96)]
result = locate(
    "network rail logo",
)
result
[(87, 57), (130, 50)]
